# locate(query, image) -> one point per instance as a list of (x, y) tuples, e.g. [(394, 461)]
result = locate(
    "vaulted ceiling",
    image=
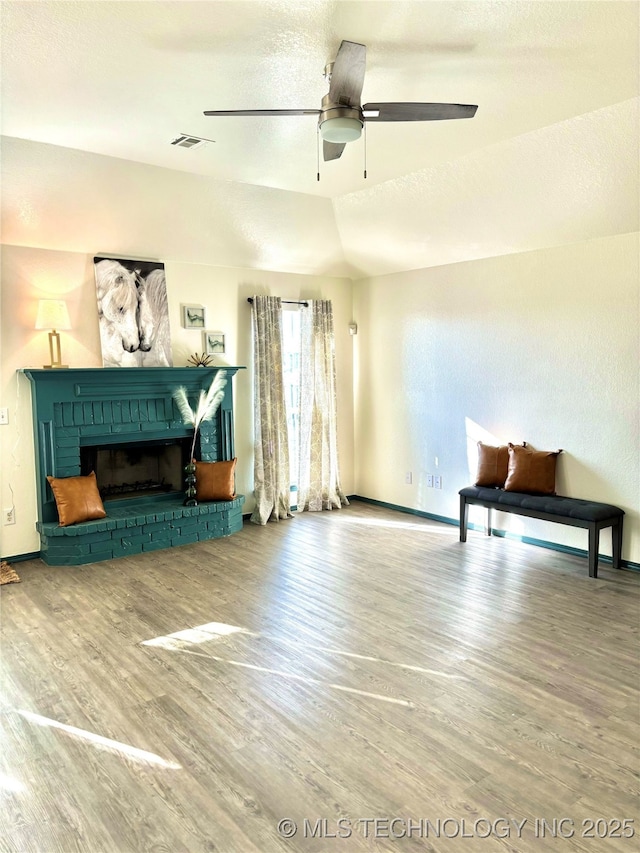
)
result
[(550, 157)]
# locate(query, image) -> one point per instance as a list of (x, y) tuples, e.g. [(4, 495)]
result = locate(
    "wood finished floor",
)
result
[(383, 670)]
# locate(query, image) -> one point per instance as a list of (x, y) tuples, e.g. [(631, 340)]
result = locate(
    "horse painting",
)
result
[(133, 313)]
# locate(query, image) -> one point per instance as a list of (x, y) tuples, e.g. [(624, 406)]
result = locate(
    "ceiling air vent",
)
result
[(186, 140)]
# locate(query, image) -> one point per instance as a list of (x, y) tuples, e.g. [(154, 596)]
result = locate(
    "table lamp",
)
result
[(53, 315)]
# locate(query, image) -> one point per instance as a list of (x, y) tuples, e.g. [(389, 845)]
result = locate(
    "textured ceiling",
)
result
[(124, 78), (550, 157)]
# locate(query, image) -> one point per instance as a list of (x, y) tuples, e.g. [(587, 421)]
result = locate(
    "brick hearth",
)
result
[(88, 406)]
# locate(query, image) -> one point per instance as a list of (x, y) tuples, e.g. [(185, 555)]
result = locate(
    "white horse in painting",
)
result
[(134, 316), (153, 320), (117, 294)]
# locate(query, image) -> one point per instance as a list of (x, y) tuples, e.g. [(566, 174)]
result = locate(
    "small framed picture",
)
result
[(194, 316), (213, 342)]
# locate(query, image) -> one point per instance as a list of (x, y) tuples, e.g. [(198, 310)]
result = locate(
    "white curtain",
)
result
[(271, 448), (318, 478)]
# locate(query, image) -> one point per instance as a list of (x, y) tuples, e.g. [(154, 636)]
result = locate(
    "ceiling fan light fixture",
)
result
[(341, 129)]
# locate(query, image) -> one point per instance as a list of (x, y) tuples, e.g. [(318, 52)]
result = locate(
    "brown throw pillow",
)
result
[(215, 481), (77, 499), (531, 471), (493, 465)]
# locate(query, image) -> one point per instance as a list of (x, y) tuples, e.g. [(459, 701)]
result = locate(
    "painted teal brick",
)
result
[(154, 526), (67, 432), (143, 410), (154, 426), (71, 530), (187, 528), (99, 535), (64, 441), (122, 533), (87, 413), (67, 470), (132, 542), (184, 540), (119, 551), (131, 522), (101, 547), (67, 414), (116, 412), (154, 545), (122, 429), (94, 429), (163, 536), (126, 411), (57, 414), (67, 456), (121, 522), (98, 415), (75, 550), (78, 414)]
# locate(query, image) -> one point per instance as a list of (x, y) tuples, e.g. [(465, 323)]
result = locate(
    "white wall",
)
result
[(540, 346), (61, 207)]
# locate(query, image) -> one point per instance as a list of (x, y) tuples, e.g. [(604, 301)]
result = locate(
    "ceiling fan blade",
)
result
[(332, 150), (262, 112), (347, 74), (417, 112)]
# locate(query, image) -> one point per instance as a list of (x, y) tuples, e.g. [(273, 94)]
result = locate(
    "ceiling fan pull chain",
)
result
[(365, 151), (318, 150)]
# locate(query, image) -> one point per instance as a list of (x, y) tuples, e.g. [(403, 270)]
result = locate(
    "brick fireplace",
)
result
[(124, 420)]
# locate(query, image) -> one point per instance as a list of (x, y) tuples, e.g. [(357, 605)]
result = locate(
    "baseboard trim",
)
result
[(504, 534), (20, 558)]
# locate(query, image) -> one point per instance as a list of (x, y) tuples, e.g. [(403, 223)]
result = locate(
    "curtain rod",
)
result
[(284, 302)]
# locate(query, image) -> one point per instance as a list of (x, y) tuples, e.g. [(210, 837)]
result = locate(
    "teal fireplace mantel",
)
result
[(79, 407)]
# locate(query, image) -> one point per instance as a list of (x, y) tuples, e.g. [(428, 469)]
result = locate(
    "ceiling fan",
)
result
[(342, 117)]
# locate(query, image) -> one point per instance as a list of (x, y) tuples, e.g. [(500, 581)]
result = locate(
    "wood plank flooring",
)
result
[(340, 670)]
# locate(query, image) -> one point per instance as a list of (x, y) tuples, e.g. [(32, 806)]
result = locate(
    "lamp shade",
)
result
[(53, 314)]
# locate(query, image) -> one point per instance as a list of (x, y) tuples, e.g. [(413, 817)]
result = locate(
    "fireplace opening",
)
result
[(137, 469)]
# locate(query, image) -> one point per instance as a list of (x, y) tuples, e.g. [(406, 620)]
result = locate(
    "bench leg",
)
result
[(464, 514), (487, 529), (616, 544), (594, 541)]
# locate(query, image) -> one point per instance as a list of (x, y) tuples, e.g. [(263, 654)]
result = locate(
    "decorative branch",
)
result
[(208, 404)]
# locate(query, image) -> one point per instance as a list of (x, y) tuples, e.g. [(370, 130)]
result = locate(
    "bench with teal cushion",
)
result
[(590, 515)]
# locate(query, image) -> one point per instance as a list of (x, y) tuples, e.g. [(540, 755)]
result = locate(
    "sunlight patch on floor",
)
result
[(102, 742), (179, 640), (304, 678), (11, 784), (445, 529)]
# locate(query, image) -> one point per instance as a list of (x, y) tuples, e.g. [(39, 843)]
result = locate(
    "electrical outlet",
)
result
[(437, 482), (429, 481), (9, 515), (4, 415), (408, 478)]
